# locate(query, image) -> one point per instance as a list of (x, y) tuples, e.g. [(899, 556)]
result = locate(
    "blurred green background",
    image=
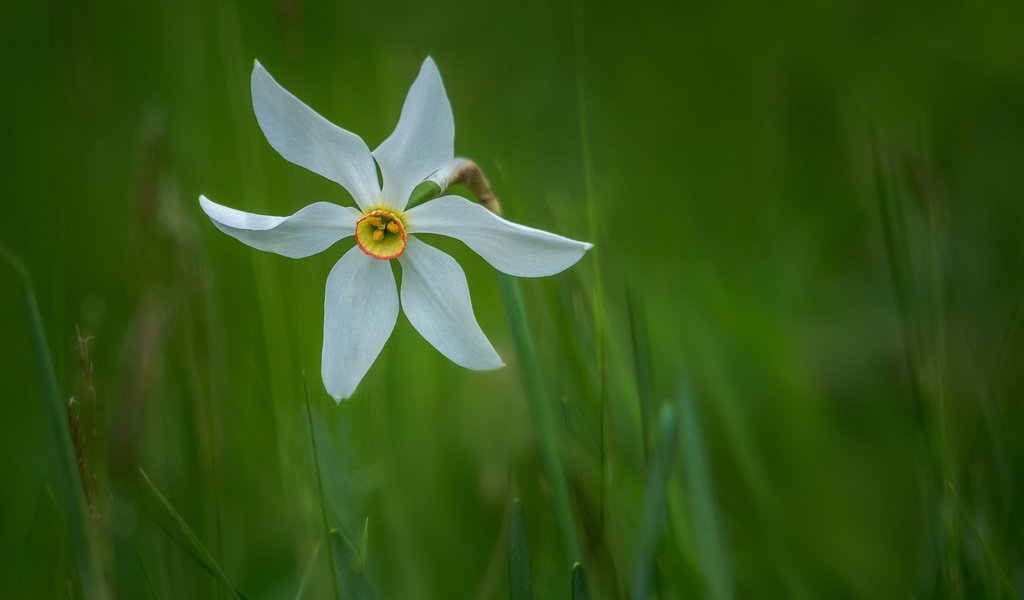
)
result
[(807, 221)]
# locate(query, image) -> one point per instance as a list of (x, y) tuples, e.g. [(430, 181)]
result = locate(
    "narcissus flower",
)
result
[(362, 299)]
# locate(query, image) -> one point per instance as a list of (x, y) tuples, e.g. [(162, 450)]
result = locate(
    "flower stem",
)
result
[(539, 403)]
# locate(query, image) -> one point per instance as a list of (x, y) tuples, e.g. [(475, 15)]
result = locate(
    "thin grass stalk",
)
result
[(320, 489), (79, 524), (142, 565)]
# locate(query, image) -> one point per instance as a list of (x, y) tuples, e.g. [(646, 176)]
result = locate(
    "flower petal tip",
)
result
[(208, 206), (339, 395)]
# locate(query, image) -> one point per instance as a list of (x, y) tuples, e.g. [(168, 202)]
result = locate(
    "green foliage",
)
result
[(809, 213)]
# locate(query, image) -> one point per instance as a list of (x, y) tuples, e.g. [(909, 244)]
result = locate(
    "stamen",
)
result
[(381, 234)]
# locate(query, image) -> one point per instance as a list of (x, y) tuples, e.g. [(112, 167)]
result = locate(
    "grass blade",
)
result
[(307, 574), (642, 370), (710, 548), (520, 584), (194, 546), (142, 565), (990, 556), (580, 589), (541, 411), (320, 488), (659, 471), (86, 551), (351, 576)]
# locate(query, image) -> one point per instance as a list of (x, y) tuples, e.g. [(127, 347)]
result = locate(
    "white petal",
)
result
[(305, 138), (309, 231), (435, 298), (422, 142), (360, 311), (509, 247)]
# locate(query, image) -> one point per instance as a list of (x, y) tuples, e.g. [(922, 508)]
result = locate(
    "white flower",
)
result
[(361, 305)]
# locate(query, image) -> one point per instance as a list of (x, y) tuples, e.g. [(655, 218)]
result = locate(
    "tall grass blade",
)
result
[(77, 511), (580, 589), (520, 584), (541, 411), (658, 474), (191, 544), (320, 489), (710, 547)]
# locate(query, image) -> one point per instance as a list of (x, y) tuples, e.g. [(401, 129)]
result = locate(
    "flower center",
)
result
[(381, 234)]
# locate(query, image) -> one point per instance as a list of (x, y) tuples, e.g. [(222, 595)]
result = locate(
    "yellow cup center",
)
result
[(381, 234)]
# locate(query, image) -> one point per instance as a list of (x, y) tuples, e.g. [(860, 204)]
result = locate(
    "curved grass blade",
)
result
[(86, 551), (192, 544), (580, 589), (520, 584), (541, 411)]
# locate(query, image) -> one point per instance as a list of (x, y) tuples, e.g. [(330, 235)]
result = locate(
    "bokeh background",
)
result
[(808, 261)]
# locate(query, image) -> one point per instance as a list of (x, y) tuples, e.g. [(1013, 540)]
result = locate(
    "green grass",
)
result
[(789, 368)]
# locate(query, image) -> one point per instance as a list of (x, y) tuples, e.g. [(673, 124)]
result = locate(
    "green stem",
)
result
[(79, 523), (539, 403), (320, 487)]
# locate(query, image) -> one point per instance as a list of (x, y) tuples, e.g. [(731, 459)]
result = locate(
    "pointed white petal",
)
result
[(309, 231), (509, 247), (435, 298), (360, 311), (305, 138), (422, 142)]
